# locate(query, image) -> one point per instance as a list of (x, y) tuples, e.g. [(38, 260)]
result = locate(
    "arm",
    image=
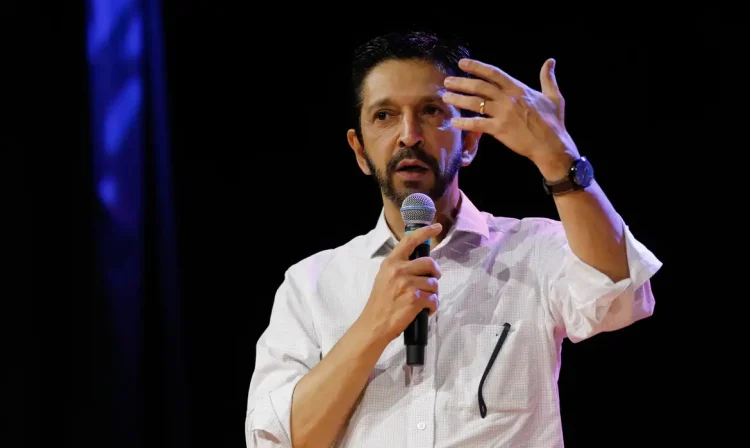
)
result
[(532, 124), (582, 300), (295, 398), (593, 273), (593, 229), (325, 398), (286, 351)]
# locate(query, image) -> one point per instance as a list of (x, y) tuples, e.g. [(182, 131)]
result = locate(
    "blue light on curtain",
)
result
[(116, 72), (135, 241), (116, 65)]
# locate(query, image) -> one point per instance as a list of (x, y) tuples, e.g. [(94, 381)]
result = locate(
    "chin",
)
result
[(401, 188), (416, 186)]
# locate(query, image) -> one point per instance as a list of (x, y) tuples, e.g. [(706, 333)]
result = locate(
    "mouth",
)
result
[(412, 166), (412, 170)]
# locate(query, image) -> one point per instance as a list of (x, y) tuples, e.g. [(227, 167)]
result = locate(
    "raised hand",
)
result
[(527, 121)]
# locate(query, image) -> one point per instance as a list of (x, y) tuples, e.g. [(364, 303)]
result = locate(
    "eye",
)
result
[(432, 110), (382, 115)]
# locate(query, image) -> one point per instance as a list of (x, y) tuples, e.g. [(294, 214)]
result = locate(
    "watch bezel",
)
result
[(579, 166)]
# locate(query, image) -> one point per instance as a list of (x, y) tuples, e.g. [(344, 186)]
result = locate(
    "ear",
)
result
[(359, 150), (470, 147)]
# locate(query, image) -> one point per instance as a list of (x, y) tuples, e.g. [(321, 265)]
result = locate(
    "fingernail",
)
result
[(436, 226)]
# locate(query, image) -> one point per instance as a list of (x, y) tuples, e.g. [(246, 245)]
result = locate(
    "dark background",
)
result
[(262, 173)]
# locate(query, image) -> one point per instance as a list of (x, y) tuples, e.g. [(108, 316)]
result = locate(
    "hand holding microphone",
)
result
[(403, 288), (405, 292)]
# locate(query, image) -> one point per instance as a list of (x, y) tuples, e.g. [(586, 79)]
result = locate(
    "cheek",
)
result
[(380, 133), (379, 142), (376, 149)]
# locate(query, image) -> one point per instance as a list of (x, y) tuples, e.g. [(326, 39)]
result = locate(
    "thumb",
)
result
[(406, 246), (549, 84)]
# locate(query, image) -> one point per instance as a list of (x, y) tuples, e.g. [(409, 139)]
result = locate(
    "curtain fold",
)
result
[(135, 241)]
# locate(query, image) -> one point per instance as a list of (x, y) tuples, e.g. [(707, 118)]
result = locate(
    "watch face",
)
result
[(584, 172)]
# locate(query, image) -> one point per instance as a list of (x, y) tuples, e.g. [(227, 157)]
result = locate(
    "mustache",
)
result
[(413, 152)]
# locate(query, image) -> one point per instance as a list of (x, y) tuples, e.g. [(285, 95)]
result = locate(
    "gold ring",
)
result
[(481, 107)]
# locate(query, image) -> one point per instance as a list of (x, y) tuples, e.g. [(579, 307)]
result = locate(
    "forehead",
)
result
[(402, 81)]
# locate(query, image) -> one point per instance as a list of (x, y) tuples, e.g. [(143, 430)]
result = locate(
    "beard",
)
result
[(443, 175)]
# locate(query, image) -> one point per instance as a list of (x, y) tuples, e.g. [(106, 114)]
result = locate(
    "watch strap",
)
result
[(564, 185), (559, 187)]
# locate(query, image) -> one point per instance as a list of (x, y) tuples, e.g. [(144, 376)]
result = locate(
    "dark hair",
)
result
[(444, 52)]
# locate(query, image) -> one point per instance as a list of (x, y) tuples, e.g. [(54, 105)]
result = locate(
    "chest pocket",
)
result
[(510, 383)]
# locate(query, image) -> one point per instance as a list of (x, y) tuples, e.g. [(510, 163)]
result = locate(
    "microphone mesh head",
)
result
[(418, 208)]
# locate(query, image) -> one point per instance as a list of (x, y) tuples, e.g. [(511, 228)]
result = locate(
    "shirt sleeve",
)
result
[(584, 301), (284, 353)]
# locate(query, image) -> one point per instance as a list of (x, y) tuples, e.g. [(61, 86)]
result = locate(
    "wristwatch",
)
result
[(580, 176)]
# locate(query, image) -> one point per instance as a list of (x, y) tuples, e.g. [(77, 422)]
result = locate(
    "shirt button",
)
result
[(421, 425)]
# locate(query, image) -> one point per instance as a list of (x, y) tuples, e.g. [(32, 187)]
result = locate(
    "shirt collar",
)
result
[(469, 220)]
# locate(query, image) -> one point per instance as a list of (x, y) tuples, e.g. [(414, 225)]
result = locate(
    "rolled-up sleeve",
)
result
[(284, 353), (584, 301)]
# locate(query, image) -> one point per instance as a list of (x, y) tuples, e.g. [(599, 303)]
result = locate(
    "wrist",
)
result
[(555, 166), (368, 337), (554, 163)]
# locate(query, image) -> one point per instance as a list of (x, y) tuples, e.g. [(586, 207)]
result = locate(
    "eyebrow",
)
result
[(387, 101)]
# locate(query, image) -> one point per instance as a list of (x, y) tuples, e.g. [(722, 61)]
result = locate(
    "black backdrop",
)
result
[(262, 174)]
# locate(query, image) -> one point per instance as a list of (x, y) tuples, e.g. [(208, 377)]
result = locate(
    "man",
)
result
[(502, 293)]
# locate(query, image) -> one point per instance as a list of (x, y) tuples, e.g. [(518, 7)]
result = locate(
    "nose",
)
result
[(411, 132)]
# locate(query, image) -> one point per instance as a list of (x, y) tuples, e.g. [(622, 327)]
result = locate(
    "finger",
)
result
[(549, 81), (473, 124), (474, 86), (425, 284), (424, 266), (433, 304), (490, 73), (466, 102), (406, 246), (422, 301)]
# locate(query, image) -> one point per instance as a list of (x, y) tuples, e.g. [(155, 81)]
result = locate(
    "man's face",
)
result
[(408, 143)]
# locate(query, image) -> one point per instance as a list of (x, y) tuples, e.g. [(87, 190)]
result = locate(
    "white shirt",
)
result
[(495, 270)]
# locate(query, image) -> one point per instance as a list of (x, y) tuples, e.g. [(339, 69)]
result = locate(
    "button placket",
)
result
[(423, 411)]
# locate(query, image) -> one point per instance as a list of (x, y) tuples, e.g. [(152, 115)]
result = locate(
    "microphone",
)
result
[(417, 211)]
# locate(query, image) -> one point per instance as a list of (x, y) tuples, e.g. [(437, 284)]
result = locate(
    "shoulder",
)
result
[(310, 269)]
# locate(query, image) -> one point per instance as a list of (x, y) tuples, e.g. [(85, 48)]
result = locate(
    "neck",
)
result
[(446, 210)]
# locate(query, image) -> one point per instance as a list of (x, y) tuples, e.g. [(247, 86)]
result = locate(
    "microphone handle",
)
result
[(415, 335)]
